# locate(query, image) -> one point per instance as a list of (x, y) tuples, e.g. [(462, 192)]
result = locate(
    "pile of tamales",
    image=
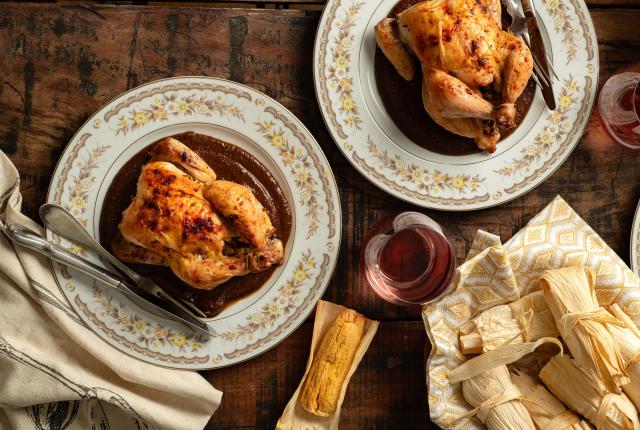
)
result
[(590, 380)]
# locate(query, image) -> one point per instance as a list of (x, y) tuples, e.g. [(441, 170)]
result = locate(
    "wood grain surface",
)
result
[(60, 63)]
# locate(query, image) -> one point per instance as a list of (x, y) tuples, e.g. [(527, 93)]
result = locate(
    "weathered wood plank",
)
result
[(387, 390), (58, 64)]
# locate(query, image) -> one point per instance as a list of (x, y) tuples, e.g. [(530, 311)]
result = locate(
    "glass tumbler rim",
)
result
[(603, 109)]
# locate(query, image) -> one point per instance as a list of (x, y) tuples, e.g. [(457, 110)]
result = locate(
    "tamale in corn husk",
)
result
[(582, 323), (628, 340), (487, 387), (498, 403), (585, 394), (545, 410), (525, 320)]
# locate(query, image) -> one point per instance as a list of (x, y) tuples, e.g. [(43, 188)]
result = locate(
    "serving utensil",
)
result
[(63, 223), (23, 236), (525, 26)]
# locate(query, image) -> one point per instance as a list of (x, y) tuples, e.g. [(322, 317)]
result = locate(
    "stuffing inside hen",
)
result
[(465, 57), (206, 230)]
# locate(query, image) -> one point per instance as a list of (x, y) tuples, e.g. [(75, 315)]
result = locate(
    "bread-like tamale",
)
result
[(546, 411), (321, 389), (525, 320), (584, 393)]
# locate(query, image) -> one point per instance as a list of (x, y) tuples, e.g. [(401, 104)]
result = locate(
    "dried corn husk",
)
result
[(487, 387), (628, 340), (525, 320), (582, 323), (547, 412), (585, 394), (497, 402)]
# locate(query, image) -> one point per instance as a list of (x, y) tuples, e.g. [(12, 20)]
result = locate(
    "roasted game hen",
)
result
[(206, 230), (468, 62)]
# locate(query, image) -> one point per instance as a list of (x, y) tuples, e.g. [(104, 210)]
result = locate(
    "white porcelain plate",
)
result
[(634, 254), (257, 124), (353, 111)]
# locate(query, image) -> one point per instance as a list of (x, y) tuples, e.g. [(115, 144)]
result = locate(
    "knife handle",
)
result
[(527, 8), (29, 239)]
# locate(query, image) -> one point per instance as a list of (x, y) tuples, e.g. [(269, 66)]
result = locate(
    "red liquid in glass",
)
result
[(404, 257), (426, 257)]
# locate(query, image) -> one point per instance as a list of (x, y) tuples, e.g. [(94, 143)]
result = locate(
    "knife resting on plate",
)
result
[(538, 51), (29, 239)]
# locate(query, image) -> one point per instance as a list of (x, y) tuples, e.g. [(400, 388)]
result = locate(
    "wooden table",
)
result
[(60, 63)]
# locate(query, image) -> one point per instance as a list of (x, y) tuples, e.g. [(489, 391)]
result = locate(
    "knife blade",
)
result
[(538, 51), (29, 239), (64, 224)]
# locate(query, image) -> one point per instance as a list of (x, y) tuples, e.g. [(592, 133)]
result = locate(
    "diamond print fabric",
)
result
[(495, 274)]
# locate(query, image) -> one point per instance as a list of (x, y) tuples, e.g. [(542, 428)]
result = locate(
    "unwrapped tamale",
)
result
[(585, 394), (525, 320), (321, 389)]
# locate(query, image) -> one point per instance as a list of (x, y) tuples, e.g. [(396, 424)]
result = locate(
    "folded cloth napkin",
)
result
[(56, 373)]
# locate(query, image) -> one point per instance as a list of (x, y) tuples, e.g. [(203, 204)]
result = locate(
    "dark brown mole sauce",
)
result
[(230, 163), (403, 102)]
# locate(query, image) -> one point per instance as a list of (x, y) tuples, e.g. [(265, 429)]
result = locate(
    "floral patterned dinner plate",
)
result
[(635, 242), (354, 113), (257, 124)]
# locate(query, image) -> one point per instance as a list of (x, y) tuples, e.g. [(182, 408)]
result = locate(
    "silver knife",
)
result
[(29, 239), (64, 224), (536, 44)]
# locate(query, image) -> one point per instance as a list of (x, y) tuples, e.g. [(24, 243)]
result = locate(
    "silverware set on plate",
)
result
[(143, 291), (524, 24)]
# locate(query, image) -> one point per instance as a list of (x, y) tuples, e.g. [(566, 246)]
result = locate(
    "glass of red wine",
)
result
[(619, 106), (407, 259)]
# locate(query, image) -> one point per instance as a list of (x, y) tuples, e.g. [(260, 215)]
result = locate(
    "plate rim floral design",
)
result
[(340, 42), (72, 174), (634, 243)]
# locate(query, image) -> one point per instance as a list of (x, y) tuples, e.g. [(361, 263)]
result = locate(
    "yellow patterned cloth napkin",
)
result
[(495, 274), (56, 373)]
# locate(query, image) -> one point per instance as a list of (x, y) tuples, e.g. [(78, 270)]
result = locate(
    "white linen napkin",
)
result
[(56, 373)]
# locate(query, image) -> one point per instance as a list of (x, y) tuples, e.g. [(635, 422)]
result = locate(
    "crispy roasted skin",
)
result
[(461, 48), (323, 384), (171, 221)]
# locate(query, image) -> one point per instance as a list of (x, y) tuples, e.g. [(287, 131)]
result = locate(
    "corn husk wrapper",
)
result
[(628, 340), (294, 417), (585, 394), (547, 412), (583, 324), (525, 320), (497, 402), (486, 386)]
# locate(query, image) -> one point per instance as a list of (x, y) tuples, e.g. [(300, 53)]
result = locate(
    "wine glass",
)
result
[(408, 260), (619, 106)]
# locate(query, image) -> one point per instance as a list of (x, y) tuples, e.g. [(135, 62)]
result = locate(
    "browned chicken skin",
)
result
[(462, 49), (204, 229)]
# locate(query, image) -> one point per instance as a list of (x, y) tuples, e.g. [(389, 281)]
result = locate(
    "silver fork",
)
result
[(519, 28), (64, 224)]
